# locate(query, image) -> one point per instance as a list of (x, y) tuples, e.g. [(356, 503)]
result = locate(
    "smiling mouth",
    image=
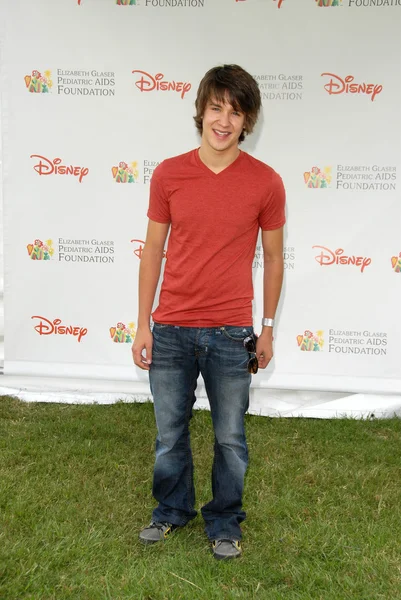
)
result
[(221, 134)]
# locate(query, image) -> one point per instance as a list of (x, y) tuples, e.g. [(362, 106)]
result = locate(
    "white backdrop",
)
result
[(95, 93)]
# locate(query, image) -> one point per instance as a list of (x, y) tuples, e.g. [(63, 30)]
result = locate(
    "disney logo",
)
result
[(46, 327), (139, 251), (48, 167), (328, 257), (147, 83), (337, 85)]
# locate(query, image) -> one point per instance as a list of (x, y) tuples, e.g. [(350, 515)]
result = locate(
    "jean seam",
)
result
[(238, 340), (188, 456)]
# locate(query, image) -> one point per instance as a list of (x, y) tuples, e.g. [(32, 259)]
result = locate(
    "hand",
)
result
[(143, 342), (264, 347)]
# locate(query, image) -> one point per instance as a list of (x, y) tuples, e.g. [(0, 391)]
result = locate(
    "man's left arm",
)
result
[(273, 269)]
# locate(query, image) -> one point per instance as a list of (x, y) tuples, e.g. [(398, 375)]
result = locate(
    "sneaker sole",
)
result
[(222, 557), (146, 542)]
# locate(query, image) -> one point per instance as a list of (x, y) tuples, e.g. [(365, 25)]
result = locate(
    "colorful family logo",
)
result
[(396, 263), (46, 327), (40, 251), (328, 257), (139, 249), (38, 83), (309, 342), (122, 334), (54, 167), (125, 173), (148, 83), (318, 178), (329, 2), (337, 85)]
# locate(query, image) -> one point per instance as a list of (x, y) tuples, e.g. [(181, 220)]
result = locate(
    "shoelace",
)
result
[(220, 541), (160, 525)]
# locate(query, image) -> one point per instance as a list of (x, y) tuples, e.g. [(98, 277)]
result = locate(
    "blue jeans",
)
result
[(179, 355)]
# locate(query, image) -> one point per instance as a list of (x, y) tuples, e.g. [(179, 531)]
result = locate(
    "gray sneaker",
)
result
[(156, 532), (224, 549)]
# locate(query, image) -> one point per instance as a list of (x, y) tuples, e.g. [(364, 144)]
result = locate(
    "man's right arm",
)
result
[(149, 273)]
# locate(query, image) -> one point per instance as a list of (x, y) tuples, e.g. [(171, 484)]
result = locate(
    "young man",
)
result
[(213, 200)]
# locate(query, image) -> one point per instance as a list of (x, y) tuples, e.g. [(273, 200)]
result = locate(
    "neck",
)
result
[(218, 161)]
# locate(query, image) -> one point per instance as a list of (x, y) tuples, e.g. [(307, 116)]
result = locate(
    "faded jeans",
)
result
[(179, 355)]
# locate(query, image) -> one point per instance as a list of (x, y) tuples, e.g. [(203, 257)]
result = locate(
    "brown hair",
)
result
[(233, 84)]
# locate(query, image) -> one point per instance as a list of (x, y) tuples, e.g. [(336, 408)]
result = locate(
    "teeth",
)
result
[(220, 133)]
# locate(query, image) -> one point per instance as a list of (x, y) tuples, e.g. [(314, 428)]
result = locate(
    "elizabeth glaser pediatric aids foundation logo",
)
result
[(318, 178), (125, 173), (396, 263), (40, 250), (374, 3), (158, 3), (72, 250), (310, 342), (123, 334), (118, 2), (353, 177), (72, 82), (323, 3), (357, 342), (280, 86), (343, 341), (38, 83)]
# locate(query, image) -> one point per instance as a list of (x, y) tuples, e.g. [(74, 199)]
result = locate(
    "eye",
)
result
[(237, 113)]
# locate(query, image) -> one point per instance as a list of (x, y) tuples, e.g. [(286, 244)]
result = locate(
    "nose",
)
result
[(224, 118)]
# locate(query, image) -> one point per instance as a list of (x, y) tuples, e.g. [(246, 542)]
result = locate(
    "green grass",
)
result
[(323, 500)]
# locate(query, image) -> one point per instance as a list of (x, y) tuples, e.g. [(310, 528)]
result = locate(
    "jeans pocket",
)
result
[(236, 334)]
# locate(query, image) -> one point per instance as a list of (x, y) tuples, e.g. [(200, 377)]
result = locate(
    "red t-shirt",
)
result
[(215, 220)]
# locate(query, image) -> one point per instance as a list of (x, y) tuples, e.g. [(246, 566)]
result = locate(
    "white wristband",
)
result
[(267, 322)]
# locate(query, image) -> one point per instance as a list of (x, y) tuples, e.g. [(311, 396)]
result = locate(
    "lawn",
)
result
[(323, 501)]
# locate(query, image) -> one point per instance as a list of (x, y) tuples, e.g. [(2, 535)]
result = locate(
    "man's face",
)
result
[(222, 126)]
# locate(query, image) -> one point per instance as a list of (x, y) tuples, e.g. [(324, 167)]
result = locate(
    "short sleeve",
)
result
[(272, 214), (159, 207)]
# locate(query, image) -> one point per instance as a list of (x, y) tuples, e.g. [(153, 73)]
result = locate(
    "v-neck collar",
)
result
[(211, 173)]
